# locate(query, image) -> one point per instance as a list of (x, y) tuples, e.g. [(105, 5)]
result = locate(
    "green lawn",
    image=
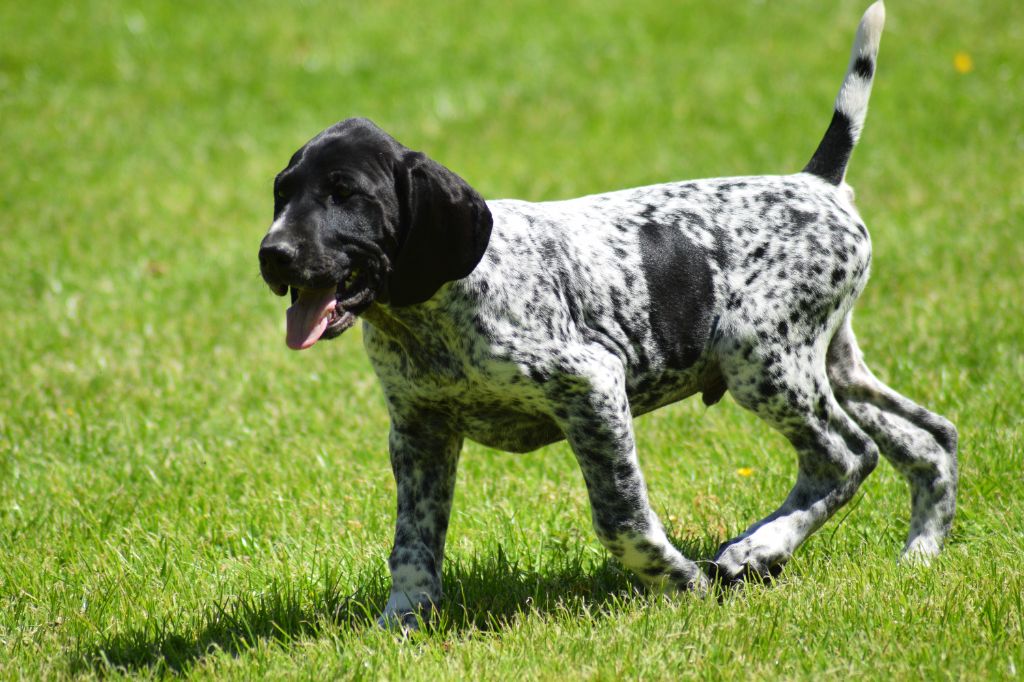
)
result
[(180, 493)]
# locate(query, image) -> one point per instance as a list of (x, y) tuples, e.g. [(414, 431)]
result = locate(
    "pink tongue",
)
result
[(307, 318)]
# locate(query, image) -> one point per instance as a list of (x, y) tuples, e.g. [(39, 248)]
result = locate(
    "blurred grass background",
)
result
[(179, 493)]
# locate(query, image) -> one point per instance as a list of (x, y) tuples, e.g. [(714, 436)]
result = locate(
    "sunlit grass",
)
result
[(179, 493)]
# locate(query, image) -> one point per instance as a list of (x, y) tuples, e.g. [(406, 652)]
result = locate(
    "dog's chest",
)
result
[(456, 373)]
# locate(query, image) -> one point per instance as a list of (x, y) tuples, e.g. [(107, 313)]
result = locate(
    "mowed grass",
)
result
[(181, 494)]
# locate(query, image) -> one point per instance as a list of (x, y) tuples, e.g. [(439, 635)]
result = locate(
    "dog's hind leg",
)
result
[(921, 445), (786, 386)]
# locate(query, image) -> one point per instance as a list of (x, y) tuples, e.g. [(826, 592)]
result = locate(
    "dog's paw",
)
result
[(402, 623), (694, 581), (743, 559), (691, 580), (921, 550), (698, 585), (402, 614)]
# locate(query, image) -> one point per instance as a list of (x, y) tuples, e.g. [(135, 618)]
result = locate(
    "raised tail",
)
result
[(833, 153)]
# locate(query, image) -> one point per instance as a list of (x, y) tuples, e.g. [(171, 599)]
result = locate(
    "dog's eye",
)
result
[(341, 194)]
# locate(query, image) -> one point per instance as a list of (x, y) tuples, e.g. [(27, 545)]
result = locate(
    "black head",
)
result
[(359, 218)]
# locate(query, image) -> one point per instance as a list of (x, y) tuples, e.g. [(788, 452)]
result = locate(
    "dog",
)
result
[(518, 324)]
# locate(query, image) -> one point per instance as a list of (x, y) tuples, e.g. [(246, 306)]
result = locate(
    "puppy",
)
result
[(517, 324)]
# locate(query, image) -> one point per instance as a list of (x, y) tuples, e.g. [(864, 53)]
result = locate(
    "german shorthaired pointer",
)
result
[(517, 324)]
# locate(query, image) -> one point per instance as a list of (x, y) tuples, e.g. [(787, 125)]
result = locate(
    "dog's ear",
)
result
[(444, 229)]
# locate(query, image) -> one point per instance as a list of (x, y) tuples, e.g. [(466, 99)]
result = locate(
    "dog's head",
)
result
[(359, 218)]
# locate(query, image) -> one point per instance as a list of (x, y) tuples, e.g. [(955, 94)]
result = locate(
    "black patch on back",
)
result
[(833, 153), (864, 67), (682, 295)]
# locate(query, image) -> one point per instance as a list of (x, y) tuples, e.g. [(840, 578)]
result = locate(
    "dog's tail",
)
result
[(833, 153)]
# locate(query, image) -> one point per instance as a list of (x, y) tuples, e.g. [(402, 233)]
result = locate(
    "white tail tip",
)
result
[(869, 32)]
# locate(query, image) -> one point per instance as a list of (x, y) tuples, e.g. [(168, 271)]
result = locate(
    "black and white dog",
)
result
[(517, 324)]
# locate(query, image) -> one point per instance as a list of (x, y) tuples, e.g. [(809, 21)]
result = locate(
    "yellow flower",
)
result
[(962, 62), (745, 471)]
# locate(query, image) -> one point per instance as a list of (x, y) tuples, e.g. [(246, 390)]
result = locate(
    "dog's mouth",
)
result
[(324, 313)]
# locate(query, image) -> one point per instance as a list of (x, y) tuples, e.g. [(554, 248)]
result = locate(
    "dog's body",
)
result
[(660, 279), (517, 324)]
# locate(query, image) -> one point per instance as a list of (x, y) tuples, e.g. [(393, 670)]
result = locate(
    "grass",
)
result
[(181, 494)]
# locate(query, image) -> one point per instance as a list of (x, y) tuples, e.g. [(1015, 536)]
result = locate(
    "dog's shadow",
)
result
[(486, 593)]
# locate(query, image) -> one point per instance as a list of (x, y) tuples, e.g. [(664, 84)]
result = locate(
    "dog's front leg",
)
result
[(599, 426), (424, 458)]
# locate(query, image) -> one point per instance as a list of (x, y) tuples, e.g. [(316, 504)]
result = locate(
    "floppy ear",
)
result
[(444, 229)]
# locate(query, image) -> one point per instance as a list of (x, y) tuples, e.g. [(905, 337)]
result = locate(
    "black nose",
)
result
[(276, 257)]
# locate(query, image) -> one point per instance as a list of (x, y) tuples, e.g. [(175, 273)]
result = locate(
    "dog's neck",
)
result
[(405, 325), (386, 321)]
